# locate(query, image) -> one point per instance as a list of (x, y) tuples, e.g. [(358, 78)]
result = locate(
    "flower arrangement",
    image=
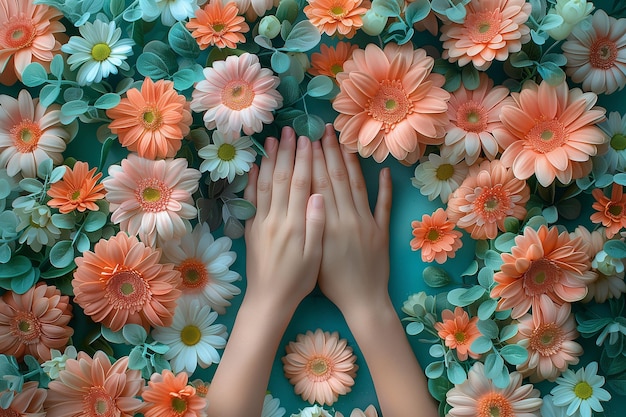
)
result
[(127, 129)]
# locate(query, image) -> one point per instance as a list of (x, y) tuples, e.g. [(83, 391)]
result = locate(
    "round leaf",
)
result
[(241, 208), (280, 62), (456, 373), (320, 86), (49, 94), (62, 254), (34, 74), (18, 265), (486, 309), (514, 354), (309, 125), (488, 328), (434, 370), (414, 328), (95, 220), (151, 65), (481, 345), (302, 37), (107, 101), (182, 42), (134, 334), (493, 365), (435, 277), (74, 108)]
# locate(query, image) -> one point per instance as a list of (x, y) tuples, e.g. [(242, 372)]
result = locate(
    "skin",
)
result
[(314, 224)]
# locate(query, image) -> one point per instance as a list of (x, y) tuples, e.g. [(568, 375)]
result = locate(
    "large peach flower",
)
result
[(335, 16), (458, 332), (28, 33), (436, 237), (153, 121), (95, 387), (122, 282), (550, 131), (152, 199), (78, 190), (492, 29), (546, 262), (390, 102), (169, 395), (489, 194), (610, 212), (549, 337), (34, 322), (320, 366), (219, 25)]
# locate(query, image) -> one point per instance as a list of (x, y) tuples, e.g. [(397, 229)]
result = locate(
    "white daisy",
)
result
[(315, 411), (227, 156), (204, 264), (271, 407), (580, 392), (171, 11), (193, 339), (439, 177), (36, 226), (98, 52), (615, 128)]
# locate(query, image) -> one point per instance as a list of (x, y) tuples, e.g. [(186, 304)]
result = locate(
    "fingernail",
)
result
[(302, 140), (317, 201)]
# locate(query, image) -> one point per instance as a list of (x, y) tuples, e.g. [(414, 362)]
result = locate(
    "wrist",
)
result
[(370, 312)]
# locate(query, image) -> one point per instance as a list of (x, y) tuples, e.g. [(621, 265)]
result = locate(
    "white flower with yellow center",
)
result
[(98, 52), (580, 392), (193, 339), (439, 177), (171, 11), (228, 156)]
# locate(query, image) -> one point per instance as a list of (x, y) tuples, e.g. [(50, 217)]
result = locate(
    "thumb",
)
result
[(315, 220)]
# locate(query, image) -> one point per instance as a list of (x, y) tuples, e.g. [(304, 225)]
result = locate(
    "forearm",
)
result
[(245, 367), (400, 383)]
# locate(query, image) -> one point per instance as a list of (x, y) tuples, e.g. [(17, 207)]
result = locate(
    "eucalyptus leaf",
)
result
[(309, 125), (289, 88), (435, 277), (82, 242), (22, 283), (62, 254), (436, 351), (263, 41), (152, 65), (470, 76), (508, 332), (184, 79), (302, 37), (233, 228), (107, 101), (417, 11), (414, 328), (386, 8), (493, 260), (551, 73), (95, 220), (481, 345), (31, 185), (34, 74), (74, 108), (485, 278), (64, 221), (615, 248), (456, 373), (486, 309), (320, 86), (134, 334), (136, 360), (49, 94), (471, 269), (514, 354), (182, 42), (280, 62), (240, 208), (132, 15), (434, 369), (493, 365), (488, 328)]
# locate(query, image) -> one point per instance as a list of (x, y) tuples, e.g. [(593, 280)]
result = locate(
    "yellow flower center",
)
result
[(460, 337), (190, 335), (336, 69), (218, 27), (546, 339), (75, 195), (337, 11), (100, 52), (179, 405), (391, 105), (444, 172), (546, 135), (226, 152), (472, 117), (433, 235), (583, 390), (319, 366), (151, 118), (26, 328), (26, 135), (615, 209), (153, 195)]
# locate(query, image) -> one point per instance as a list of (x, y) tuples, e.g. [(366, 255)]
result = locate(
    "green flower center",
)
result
[(190, 335), (319, 366), (179, 405), (583, 390), (615, 209), (226, 152), (444, 172), (151, 194), (218, 27), (100, 52), (433, 234), (337, 10), (618, 142)]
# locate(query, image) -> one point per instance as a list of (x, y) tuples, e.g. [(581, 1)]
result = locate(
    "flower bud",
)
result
[(373, 23), (269, 26)]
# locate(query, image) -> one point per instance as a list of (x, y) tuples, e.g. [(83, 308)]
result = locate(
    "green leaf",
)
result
[(280, 62), (386, 8), (132, 15), (74, 108), (493, 260), (49, 94), (434, 369), (152, 65), (309, 125), (414, 328), (485, 278), (470, 76), (521, 60), (287, 10), (550, 21), (58, 272), (34, 74), (436, 351), (31, 185), (57, 65), (182, 42), (111, 336), (18, 265), (438, 387), (240, 208), (116, 7), (508, 332), (471, 269), (488, 328), (457, 13), (64, 221), (303, 37), (511, 224), (23, 283), (184, 79), (551, 73), (435, 277), (462, 297), (263, 41), (136, 360), (456, 373), (486, 309), (134, 334), (417, 11), (493, 365), (107, 101), (82, 242), (233, 228), (95, 220), (320, 86), (104, 152), (514, 354), (615, 249), (62, 254), (481, 345), (289, 88)]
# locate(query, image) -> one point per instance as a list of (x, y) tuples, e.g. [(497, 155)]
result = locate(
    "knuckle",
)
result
[(357, 184), (299, 183), (322, 183), (263, 186), (281, 177), (339, 174)]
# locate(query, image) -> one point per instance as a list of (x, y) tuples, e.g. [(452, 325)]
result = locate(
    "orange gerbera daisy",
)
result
[(542, 262), (436, 237), (153, 121), (549, 131), (329, 60), (34, 322), (28, 33), (331, 16), (27, 403), (459, 332), (169, 395), (491, 30), (488, 195), (390, 101), (122, 282), (320, 366), (218, 25), (610, 212), (78, 190), (549, 336), (95, 387)]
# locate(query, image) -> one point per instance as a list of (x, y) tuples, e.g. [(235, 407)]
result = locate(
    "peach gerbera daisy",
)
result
[(549, 130), (122, 282), (27, 403), (474, 115), (436, 237), (549, 336), (458, 332), (237, 93), (492, 29), (78, 190), (329, 60), (95, 387), (332, 16), (218, 25), (610, 212), (169, 395), (34, 322), (546, 262), (320, 366), (488, 195), (28, 33), (153, 121), (479, 397), (390, 101), (29, 134), (152, 199), (596, 55)]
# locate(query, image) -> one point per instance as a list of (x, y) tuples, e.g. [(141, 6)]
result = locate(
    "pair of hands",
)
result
[(314, 225)]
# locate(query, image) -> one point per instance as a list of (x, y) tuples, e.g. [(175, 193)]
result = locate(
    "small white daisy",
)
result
[(271, 407), (98, 52), (439, 177), (171, 11), (581, 391), (615, 128), (193, 339), (57, 363), (227, 156), (315, 411), (204, 264), (36, 226)]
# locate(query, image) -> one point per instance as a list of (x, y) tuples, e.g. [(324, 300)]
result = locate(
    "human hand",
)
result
[(355, 259), (284, 238)]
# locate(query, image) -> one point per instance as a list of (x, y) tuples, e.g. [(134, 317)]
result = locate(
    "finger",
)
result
[(315, 220), (264, 179), (382, 211), (283, 170), (301, 181), (337, 171), (250, 192), (321, 181), (357, 182)]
